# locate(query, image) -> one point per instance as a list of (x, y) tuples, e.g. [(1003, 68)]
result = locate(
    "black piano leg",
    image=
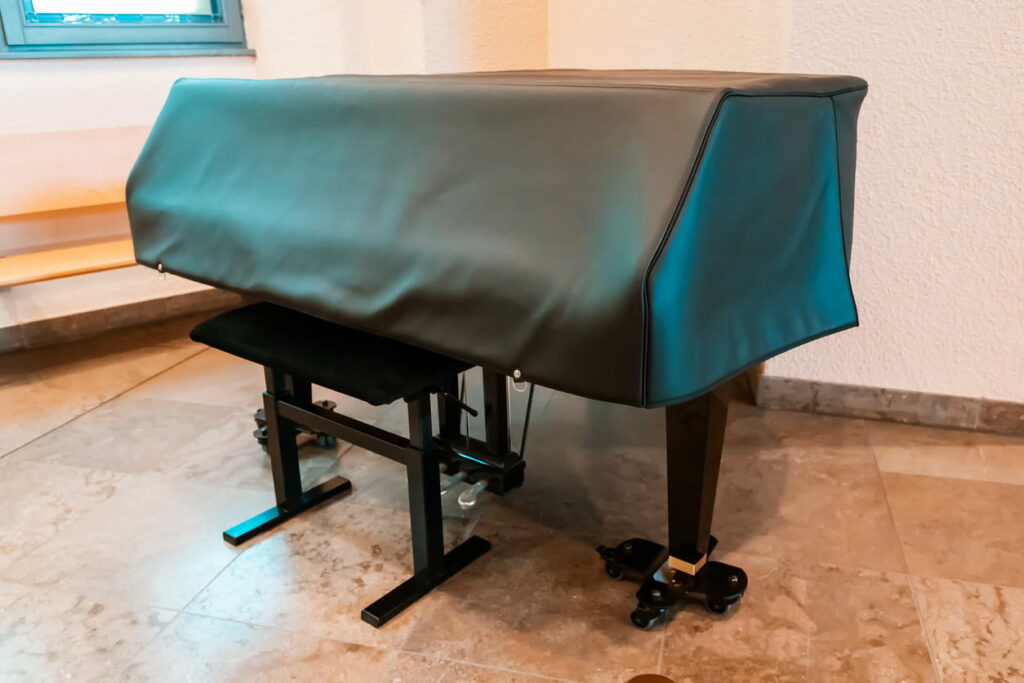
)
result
[(694, 434), (284, 463)]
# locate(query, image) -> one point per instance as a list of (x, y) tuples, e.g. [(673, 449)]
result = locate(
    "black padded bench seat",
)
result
[(374, 369)]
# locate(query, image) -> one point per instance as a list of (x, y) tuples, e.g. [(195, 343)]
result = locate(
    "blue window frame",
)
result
[(104, 28)]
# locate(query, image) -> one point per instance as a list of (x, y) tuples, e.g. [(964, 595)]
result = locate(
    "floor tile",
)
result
[(821, 501), (52, 634), (958, 528), (752, 428), (538, 603), (227, 453), (595, 472), (103, 352), (38, 501), (317, 574), (40, 397), (196, 648), (409, 668), (976, 630), (153, 542), (866, 627), (117, 514), (211, 377), (904, 449), (127, 434), (802, 622)]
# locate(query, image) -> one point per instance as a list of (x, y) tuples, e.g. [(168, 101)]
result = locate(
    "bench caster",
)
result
[(325, 441)]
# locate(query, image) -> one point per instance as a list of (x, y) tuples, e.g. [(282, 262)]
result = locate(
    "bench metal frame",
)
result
[(287, 403)]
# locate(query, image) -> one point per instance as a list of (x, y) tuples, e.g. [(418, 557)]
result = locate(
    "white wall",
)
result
[(668, 34), (938, 258), (317, 37)]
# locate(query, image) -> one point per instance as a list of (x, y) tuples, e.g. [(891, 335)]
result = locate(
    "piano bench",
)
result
[(299, 350), (373, 369)]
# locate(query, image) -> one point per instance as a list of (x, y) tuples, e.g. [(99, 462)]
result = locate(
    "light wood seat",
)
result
[(65, 262)]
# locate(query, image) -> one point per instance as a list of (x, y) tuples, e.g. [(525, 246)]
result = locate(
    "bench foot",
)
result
[(267, 520), (391, 604)]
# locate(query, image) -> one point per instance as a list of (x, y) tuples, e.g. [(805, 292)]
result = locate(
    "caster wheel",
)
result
[(643, 619), (717, 606), (613, 571), (260, 418), (261, 436), (326, 441)]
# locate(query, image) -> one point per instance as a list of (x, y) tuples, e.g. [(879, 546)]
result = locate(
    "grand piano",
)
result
[(639, 237)]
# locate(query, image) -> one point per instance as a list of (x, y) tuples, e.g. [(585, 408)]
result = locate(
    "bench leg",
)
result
[(284, 464), (431, 566)]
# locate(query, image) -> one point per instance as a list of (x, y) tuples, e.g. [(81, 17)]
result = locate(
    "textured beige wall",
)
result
[(485, 35), (395, 36), (668, 34), (317, 37), (938, 259)]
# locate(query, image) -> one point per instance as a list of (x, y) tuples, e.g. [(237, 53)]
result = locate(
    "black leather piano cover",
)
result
[(633, 236)]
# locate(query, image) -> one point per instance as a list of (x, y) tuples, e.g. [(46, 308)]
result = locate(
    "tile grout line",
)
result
[(393, 650), (660, 667), (138, 653), (903, 555), (477, 665), (101, 404), (209, 583)]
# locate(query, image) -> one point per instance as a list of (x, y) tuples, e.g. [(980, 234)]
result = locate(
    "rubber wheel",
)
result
[(717, 606), (643, 619), (326, 441), (613, 571), (261, 436)]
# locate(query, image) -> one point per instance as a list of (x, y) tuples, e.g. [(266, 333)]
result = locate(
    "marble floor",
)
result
[(876, 552)]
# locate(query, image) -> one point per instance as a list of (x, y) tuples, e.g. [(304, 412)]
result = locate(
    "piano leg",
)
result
[(492, 459), (694, 434)]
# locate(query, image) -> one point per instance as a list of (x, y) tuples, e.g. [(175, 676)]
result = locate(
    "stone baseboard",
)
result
[(910, 407), (68, 328)]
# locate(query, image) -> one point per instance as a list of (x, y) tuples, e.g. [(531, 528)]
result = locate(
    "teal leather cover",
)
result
[(631, 236)]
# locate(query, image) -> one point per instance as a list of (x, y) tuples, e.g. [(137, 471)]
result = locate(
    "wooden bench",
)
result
[(23, 269)]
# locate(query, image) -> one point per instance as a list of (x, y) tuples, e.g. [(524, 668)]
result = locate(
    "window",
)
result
[(77, 28)]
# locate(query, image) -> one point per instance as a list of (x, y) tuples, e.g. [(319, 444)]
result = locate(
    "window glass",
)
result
[(121, 11)]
